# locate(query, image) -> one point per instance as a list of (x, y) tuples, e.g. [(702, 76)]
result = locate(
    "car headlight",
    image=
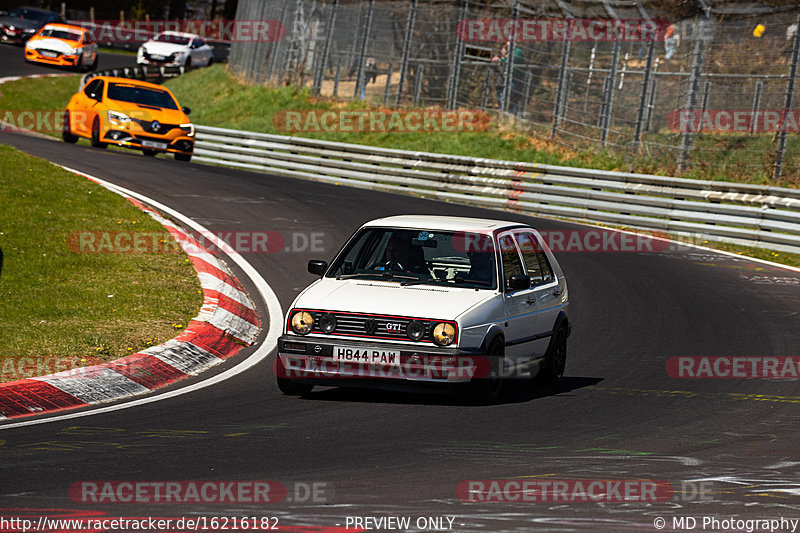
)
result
[(444, 334), (78, 52), (327, 323), (188, 128), (415, 330), (115, 117), (302, 322)]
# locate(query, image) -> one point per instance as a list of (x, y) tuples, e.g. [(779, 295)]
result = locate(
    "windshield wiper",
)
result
[(454, 280), (384, 275)]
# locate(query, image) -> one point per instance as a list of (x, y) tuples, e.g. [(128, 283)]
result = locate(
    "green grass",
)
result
[(62, 305), (47, 95)]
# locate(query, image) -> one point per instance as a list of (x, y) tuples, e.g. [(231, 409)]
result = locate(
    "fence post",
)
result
[(601, 119), (455, 73), (589, 77), (706, 93), (388, 84), (651, 101), (278, 46), (612, 77), (756, 105), (648, 72), (507, 82), (777, 168), (418, 86), (691, 97), (562, 77), (412, 17), (320, 73), (528, 78), (361, 82)]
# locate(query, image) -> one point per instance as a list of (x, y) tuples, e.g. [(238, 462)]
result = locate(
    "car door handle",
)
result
[(557, 291), (531, 300)]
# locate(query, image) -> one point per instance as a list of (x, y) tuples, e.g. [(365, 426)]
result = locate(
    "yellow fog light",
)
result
[(444, 334), (302, 322)]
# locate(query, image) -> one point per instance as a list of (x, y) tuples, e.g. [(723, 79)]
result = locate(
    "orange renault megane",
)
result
[(130, 113), (63, 45)]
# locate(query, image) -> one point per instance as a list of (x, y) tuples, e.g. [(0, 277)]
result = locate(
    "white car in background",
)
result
[(172, 48), (431, 300)]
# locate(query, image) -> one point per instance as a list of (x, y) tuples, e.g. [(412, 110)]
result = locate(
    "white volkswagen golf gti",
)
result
[(429, 300)]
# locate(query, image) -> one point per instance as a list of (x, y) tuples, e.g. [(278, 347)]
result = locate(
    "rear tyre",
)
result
[(96, 142), (555, 358), (66, 131)]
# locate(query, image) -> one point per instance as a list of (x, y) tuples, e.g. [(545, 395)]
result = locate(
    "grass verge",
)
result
[(63, 308)]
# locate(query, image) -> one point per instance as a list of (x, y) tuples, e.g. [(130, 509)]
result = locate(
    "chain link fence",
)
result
[(712, 98)]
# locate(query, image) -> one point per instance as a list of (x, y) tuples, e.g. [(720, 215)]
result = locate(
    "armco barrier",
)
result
[(751, 215), (149, 73)]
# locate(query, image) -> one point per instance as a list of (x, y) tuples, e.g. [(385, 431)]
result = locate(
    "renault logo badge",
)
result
[(155, 126)]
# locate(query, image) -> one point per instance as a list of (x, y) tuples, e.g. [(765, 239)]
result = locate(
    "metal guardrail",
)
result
[(751, 215), (154, 74)]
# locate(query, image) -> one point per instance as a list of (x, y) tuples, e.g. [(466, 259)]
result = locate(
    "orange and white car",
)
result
[(130, 113), (63, 45)]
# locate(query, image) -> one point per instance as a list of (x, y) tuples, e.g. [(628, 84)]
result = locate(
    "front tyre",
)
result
[(488, 388), (66, 130), (286, 385), (96, 142), (183, 157)]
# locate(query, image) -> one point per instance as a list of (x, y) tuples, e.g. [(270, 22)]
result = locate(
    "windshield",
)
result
[(136, 94), (27, 14), (419, 256), (171, 38), (61, 34)]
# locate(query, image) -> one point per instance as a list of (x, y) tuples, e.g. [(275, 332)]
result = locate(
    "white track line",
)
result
[(274, 315)]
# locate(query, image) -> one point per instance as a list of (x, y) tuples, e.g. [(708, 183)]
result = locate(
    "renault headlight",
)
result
[(188, 129), (117, 118)]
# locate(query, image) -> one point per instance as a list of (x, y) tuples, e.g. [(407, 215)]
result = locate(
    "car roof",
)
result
[(178, 33), (62, 25), (443, 223), (129, 81)]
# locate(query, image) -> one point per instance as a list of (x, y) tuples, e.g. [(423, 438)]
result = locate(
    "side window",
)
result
[(88, 38), (91, 87), (535, 259), (511, 261)]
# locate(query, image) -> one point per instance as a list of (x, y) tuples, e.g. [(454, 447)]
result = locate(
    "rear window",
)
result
[(137, 94)]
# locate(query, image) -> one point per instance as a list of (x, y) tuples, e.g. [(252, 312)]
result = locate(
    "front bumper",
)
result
[(311, 360), (61, 60), (130, 139)]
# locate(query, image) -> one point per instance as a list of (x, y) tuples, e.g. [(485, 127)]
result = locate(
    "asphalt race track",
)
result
[(728, 447)]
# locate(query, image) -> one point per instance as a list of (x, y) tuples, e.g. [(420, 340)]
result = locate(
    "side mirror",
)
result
[(317, 267), (95, 96), (186, 110), (519, 282)]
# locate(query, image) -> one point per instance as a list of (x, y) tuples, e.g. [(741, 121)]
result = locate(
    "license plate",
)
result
[(351, 354), (48, 53), (159, 58), (154, 144)]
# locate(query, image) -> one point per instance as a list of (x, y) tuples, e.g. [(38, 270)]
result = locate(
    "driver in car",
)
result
[(404, 256)]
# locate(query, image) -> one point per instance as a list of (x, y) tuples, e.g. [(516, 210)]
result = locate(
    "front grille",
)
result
[(147, 126), (374, 326)]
